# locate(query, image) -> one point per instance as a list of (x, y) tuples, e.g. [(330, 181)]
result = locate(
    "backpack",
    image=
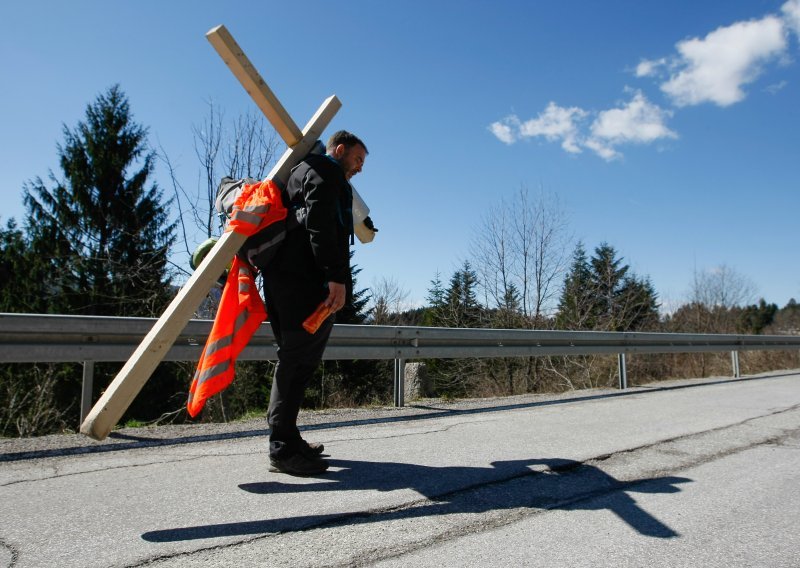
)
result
[(227, 192), (260, 248)]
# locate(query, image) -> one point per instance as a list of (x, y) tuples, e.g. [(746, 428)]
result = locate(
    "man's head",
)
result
[(348, 150)]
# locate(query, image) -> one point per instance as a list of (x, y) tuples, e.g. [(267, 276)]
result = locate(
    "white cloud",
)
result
[(649, 68), (556, 123), (639, 122), (776, 87), (504, 130), (605, 151), (715, 68), (791, 14)]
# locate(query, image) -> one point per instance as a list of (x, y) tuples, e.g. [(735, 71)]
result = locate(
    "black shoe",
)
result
[(298, 464), (311, 450)]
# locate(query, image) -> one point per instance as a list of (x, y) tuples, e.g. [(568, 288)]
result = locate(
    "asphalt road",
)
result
[(688, 473)]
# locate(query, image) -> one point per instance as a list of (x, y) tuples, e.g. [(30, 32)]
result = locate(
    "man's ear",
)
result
[(338, 152)]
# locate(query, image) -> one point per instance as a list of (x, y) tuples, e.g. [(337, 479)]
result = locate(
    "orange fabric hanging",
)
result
[(239, 315), (241, 309)]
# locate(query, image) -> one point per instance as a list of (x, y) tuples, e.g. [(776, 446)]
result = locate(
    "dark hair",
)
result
[(344, 137)]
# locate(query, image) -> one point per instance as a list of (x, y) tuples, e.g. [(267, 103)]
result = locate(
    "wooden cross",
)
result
[(135, 373)]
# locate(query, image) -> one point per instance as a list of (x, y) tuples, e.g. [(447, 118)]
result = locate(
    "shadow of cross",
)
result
[(537, 484)]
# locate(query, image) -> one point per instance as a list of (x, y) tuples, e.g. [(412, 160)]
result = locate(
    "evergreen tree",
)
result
[(510, 313), (461, 301), (23, 274), (354, 309), (755, 318), (97, 242), (454, 306), (639, 308), (622, 301), (575, 308), (787, 320), (103, 229), (434, 312), (608, 277), (599, 293)]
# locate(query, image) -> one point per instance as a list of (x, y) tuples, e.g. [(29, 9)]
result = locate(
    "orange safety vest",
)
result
[(241, 309)]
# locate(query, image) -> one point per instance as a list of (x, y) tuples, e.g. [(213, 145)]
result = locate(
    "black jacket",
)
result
[(318, 184)]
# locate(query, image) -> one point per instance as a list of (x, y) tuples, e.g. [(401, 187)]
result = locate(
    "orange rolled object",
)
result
[(258, 206), (312, 323)]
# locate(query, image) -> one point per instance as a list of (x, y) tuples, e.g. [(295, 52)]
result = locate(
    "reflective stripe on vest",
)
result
[(240, 313), (258, 205)]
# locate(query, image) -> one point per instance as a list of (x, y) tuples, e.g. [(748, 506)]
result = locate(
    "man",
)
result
[(312, 266)]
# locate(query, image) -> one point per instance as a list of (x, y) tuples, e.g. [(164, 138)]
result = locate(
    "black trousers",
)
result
[(289, 302)]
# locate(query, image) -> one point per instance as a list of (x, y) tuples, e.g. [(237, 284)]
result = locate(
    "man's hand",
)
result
[(336, 296), (369, 224)]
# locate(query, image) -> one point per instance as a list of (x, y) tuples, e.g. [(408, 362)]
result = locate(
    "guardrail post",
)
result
[(735, 363), (623, 372), (399, 382), (86, 390)]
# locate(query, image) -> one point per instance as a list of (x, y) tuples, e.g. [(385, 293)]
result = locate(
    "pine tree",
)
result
[(599, 293), (354, 309), (639, 308), (434, 312), (461, 301), (510, 313), (576, 308), (24, 275), (756, 318), (103, 229), (95, 242), (787, 320), (622, 301), (608, 275)]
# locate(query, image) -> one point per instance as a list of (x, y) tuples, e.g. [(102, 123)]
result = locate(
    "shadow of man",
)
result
[(537, 483)]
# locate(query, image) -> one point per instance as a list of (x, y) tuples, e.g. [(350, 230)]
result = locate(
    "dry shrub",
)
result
[(28, 401)]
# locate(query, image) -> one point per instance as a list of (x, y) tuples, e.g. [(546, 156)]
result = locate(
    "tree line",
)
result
[(98, 238)]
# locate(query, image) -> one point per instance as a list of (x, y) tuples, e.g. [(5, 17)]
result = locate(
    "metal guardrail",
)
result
[(32, 338)]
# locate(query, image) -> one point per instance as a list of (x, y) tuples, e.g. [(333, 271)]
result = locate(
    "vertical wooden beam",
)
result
[(251, 80)]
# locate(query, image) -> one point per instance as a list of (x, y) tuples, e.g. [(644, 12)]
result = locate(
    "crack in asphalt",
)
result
[(514, 515), (103, 469), (511, 516), (13, 552), (505, 516), (406, 435), (174, 459)]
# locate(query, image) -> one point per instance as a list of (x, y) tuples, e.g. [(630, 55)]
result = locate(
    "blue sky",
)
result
[(669, 130)]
